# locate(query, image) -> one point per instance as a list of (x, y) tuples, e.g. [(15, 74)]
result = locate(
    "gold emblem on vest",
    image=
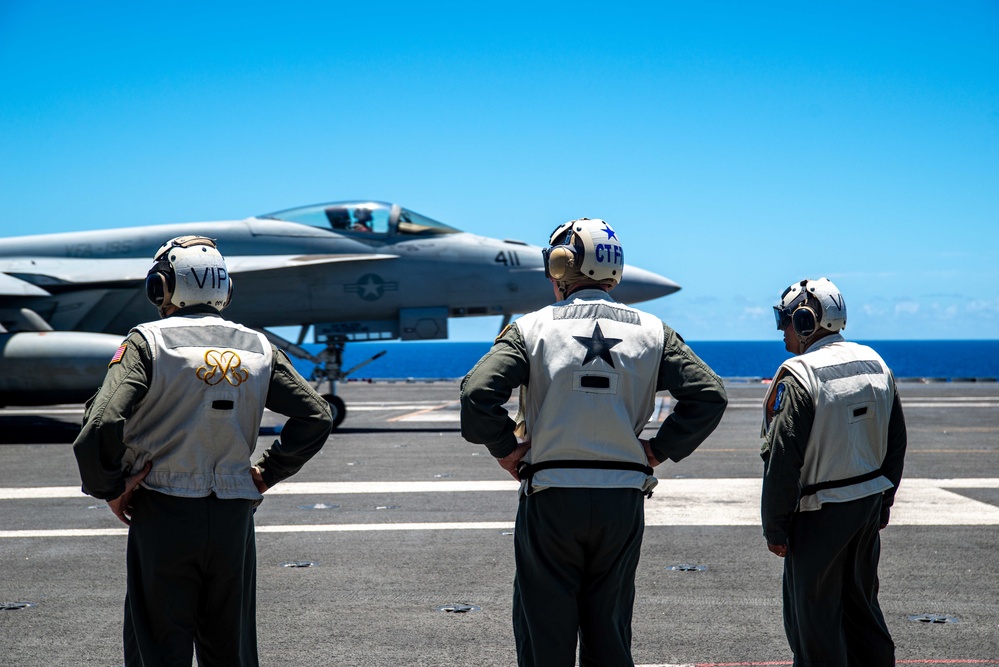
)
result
[(222, 366)]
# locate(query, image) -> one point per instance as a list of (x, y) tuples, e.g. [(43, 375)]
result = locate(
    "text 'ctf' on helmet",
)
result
[(810, 304), (188, 270), (584, 250)]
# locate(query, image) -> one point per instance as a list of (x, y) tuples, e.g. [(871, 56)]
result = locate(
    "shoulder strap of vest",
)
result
[(527, 470)]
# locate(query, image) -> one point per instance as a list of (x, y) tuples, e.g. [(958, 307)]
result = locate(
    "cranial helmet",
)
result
[(584, 250), (188, 270), (811, 304)]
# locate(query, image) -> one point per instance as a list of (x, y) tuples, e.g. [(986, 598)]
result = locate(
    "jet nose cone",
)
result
[(641, 285)]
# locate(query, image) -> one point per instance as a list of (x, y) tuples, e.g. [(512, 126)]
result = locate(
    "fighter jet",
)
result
[(359, 270)]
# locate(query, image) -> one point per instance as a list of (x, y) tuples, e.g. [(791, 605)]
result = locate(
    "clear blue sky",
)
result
[(736, 147)]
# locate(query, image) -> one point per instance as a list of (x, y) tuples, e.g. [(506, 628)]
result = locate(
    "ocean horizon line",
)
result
[(927, 360)]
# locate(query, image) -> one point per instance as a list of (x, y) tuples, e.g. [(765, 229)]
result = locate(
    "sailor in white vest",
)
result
[(833, 445), (588, 369), (179, 413)]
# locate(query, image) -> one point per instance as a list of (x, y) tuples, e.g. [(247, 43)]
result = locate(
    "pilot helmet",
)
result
[(584, 250), (188, 270), (362, 215), (810, 304)]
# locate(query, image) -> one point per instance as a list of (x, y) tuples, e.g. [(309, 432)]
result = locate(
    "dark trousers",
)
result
[(576, 551), (191, 582), (831, 613)]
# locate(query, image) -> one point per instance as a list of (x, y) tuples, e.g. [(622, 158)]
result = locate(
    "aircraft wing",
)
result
[(11, 286), (41, 272), (32, 276), (251, 263)]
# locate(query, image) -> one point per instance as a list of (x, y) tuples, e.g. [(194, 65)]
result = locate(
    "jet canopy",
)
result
[(368, 218)]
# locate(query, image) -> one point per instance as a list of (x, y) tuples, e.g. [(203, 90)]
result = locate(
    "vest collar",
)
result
[(826, 340), (588, 294), (196, 309)]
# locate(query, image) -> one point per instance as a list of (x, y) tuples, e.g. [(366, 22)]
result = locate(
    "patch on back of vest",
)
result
[(594, 382), (595, 311), (222, 366), (211, 335), (862, 411), (849, 369), (597, 345)]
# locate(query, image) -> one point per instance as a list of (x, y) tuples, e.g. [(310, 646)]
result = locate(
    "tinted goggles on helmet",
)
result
[(783, 317), (782, 314)]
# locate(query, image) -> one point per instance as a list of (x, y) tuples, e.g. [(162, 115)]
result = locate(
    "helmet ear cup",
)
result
[(805, 321), (159, 287), (560, 260)]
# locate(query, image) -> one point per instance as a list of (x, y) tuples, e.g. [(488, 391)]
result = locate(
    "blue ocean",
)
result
[(954, 360)]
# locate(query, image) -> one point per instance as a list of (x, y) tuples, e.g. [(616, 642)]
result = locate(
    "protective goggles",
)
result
[(782, 316)]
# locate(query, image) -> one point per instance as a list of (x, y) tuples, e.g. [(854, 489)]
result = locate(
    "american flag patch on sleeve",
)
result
[(117, 355)]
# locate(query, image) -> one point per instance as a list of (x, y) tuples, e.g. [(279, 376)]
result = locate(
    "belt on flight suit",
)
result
[(527, 470), (839, 483)]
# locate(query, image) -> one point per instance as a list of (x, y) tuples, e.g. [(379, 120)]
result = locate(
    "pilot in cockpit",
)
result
[(362, 220), (339, 217)]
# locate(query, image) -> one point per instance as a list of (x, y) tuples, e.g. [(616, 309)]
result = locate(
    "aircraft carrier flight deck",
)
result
[(393, 547)]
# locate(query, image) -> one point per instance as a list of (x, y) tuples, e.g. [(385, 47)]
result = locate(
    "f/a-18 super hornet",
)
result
[(359, 270)]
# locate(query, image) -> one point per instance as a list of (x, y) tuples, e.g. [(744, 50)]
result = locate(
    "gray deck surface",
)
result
[(388, 554)]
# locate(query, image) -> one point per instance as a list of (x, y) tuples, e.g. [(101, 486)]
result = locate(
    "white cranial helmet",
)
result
[(810, 304), (584, 249), (188, 270)]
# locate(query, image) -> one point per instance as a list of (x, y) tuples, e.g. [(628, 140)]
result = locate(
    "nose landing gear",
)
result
[(327, 371)]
